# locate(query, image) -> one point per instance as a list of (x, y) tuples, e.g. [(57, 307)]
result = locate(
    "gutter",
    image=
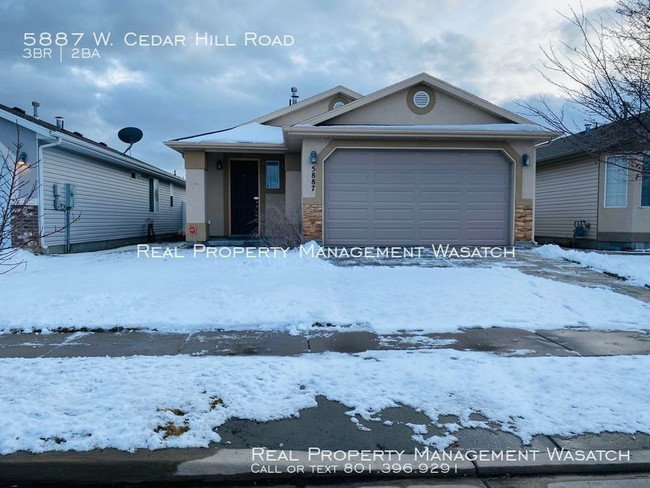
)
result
[(447, 134), (182, 146), (41, 189)]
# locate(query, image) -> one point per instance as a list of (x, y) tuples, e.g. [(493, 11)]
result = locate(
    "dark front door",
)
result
[(243, 197)]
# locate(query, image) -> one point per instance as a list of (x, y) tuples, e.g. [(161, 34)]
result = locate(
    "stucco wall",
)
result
[(394, 110)]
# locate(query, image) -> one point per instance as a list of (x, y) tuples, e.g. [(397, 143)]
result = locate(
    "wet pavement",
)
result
[(501, 341), (525, 260)]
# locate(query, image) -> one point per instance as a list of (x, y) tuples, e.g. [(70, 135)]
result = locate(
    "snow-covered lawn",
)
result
[(179, 401), (116, 288), (634, 267)]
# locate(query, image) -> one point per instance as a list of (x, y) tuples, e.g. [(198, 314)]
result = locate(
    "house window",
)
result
[(645, 182), (273, 175), (154, 195), (171, 195), (616, 182)]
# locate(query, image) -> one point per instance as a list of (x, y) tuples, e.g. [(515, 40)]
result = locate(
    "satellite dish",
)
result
[(129, 135)]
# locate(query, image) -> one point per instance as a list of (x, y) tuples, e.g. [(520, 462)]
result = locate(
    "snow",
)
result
[(441, 127), (252, 133), (95, 403), (185, 293), (634, 267)]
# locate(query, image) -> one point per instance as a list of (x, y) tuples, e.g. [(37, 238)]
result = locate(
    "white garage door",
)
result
[(409, 197)]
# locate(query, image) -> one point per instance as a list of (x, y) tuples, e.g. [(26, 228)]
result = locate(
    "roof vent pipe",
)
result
[(59, 122), (587, 129), (294, 96), (35, 104)]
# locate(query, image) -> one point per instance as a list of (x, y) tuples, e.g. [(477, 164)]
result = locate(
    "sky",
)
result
[(491, 48)]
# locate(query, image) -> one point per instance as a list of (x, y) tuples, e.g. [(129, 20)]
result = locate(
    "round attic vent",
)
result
[(421, 99), (338, 104)]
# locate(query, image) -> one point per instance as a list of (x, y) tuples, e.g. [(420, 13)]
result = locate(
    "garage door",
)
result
[(400, 197)]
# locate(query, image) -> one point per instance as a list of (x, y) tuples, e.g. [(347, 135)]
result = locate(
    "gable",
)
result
[(471, 110), (399, 109), (308, 108), (309, 111)]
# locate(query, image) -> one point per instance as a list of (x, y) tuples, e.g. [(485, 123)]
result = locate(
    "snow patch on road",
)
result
[(180, 401), (634, 267)]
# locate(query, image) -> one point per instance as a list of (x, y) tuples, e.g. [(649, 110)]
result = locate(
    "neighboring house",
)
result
[(589, 178), (116, 199), (419, 162)]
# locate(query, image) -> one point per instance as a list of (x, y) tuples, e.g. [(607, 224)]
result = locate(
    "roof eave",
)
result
[(183, 146), (473, 134)]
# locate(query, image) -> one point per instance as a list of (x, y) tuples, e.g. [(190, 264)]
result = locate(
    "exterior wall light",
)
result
[(22, 159), (219, 164), (525, 160), (313, 157)]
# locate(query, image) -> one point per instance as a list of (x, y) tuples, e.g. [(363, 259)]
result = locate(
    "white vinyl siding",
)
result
[(616, 179), (109, 202), (566, 193)]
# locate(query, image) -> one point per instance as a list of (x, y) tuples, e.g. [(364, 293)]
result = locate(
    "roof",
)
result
[(628, 135), (253, 137), (99, 149), (427, 79), (252, 133), (337, 90)]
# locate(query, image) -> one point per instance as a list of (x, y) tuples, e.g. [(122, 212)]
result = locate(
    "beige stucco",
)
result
[(394, 110), (195, 205), (293, 188), (214, 194)]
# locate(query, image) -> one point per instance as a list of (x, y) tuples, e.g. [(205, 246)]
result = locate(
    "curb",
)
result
[(179, 465)]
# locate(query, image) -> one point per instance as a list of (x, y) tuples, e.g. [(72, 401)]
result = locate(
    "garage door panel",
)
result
[(351, 179), (381, 196), (485, 197), (346, 214), (394, 214), (348, 196), (413, 197), (440, 197)]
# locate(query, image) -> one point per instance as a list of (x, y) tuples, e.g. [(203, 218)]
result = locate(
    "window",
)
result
[(154, 195), (645, 182), (171, 195), (616, 182), (273, 175)]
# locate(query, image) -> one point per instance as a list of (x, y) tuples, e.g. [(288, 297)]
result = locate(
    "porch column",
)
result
[(195, 196)]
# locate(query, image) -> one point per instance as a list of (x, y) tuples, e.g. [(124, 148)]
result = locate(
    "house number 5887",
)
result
[(313, 178)]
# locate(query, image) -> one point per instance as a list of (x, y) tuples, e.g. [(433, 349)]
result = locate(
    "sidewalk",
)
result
[(328, 428)]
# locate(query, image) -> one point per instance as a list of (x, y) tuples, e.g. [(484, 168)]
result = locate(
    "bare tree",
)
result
[(16, 191), (605, 77)]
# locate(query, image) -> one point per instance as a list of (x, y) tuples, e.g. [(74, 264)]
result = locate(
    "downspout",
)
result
[(41, 190)]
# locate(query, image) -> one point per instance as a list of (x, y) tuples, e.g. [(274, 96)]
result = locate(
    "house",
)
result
[(415, 163), (590, 189), (110, 199)]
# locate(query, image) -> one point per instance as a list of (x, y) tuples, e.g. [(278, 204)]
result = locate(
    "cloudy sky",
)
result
[(489, 47)]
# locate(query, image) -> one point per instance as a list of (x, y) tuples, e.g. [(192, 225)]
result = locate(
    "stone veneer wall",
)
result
[(312, 221), (524, 223), (24, 226)]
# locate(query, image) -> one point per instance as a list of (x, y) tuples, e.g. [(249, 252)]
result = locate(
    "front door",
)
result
[(243, 197)]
